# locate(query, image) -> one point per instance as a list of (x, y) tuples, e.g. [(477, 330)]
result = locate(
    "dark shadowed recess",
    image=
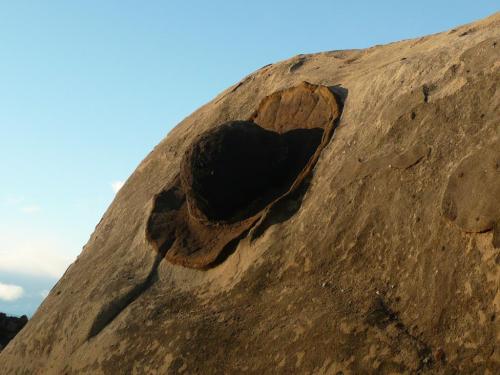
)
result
[(9, 328), (242, 167)]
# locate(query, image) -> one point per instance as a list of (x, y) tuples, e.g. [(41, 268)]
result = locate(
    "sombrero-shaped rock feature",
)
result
[(233, 174)]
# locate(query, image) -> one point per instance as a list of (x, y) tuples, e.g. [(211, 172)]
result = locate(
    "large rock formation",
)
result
[(372, 251)]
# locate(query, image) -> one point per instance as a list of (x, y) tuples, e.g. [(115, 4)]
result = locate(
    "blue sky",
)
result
[(87, 88)]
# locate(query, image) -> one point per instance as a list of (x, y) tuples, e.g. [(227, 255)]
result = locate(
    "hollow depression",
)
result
[(237, 169)]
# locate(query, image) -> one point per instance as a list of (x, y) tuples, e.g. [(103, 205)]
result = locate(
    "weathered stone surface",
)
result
[(359, 271), (305, 106), (472, 197)]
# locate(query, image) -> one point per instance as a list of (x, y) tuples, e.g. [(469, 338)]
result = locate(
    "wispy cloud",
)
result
[(30, 209), (13, 200), (33, 254), (9, 292), (20, 203), (117, 185)]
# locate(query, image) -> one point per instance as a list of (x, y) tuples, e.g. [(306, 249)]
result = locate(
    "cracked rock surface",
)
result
[(378, 265)]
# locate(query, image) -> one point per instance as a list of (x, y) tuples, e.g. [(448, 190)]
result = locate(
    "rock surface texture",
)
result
[(382, 259)]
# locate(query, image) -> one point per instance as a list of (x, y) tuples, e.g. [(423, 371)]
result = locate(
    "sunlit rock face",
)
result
[(472, 196), (360, 237)]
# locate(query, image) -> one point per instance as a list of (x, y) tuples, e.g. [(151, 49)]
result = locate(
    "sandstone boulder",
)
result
[(376, 251)]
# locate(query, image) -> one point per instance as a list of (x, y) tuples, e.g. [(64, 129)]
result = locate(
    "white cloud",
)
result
[(117, 185), (30, 209), (10, 292), (35, 254), (20, 203)]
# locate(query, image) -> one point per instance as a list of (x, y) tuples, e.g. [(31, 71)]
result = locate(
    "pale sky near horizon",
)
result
[(87, 88)]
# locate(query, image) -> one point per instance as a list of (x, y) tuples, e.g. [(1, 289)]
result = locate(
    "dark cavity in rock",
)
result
[(240, 167)]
